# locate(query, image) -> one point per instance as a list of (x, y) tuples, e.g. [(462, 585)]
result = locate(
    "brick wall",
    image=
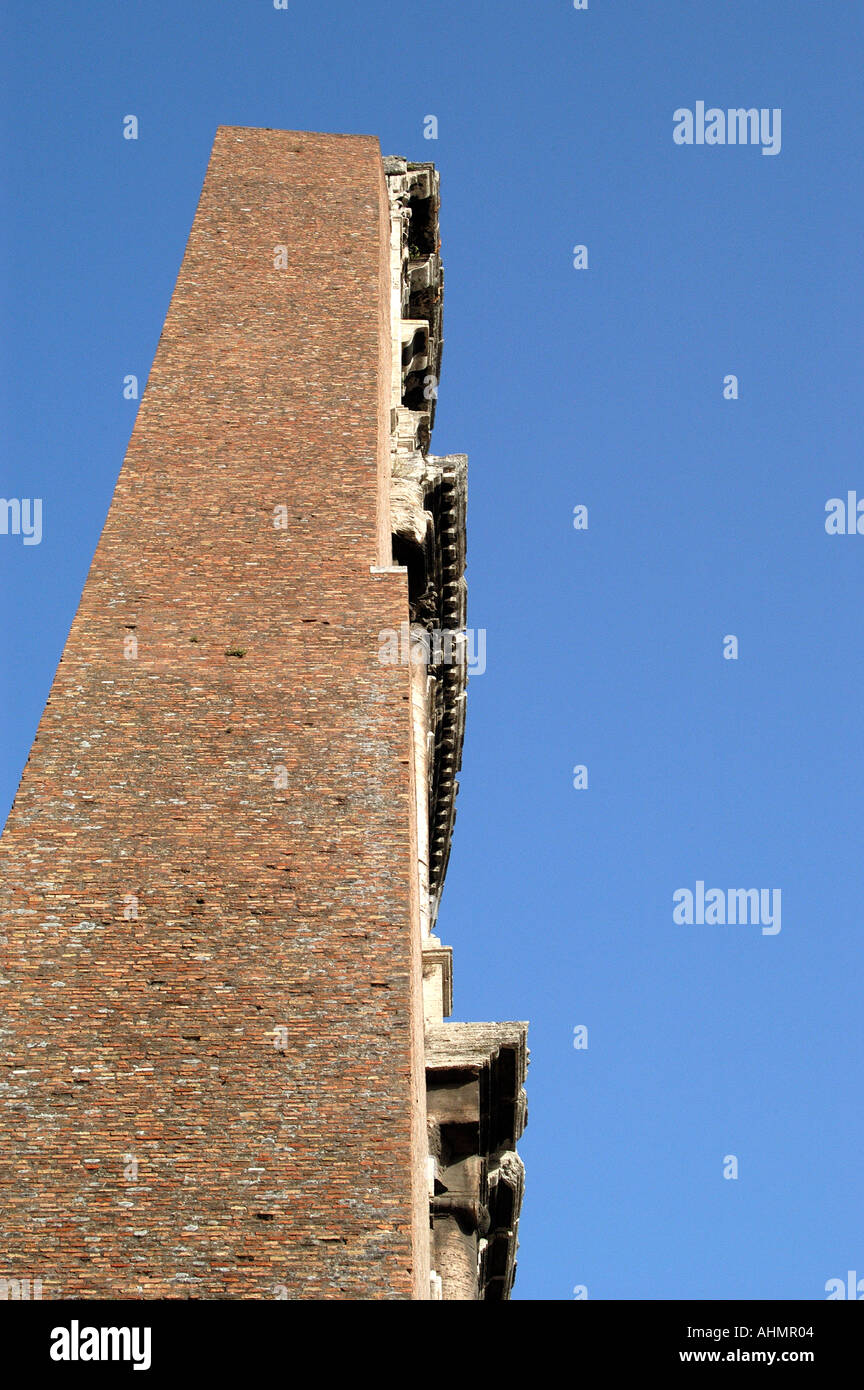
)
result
[(262, 1170)]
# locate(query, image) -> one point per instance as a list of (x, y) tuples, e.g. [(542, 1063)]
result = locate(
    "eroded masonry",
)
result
[(228, 1070), (474, 1072)]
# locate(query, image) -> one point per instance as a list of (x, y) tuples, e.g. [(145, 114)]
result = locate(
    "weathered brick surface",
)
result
[(258, 908)]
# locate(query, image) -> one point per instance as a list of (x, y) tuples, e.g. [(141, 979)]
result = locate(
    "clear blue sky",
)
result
[(605, 647)]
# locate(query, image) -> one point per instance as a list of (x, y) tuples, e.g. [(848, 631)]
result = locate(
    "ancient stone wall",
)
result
[(211, 1061)]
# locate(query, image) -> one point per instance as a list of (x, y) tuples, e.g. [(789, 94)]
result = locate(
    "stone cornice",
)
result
[(428, 494)]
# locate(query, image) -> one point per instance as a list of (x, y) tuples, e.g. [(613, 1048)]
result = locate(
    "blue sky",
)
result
[(601, 387)]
